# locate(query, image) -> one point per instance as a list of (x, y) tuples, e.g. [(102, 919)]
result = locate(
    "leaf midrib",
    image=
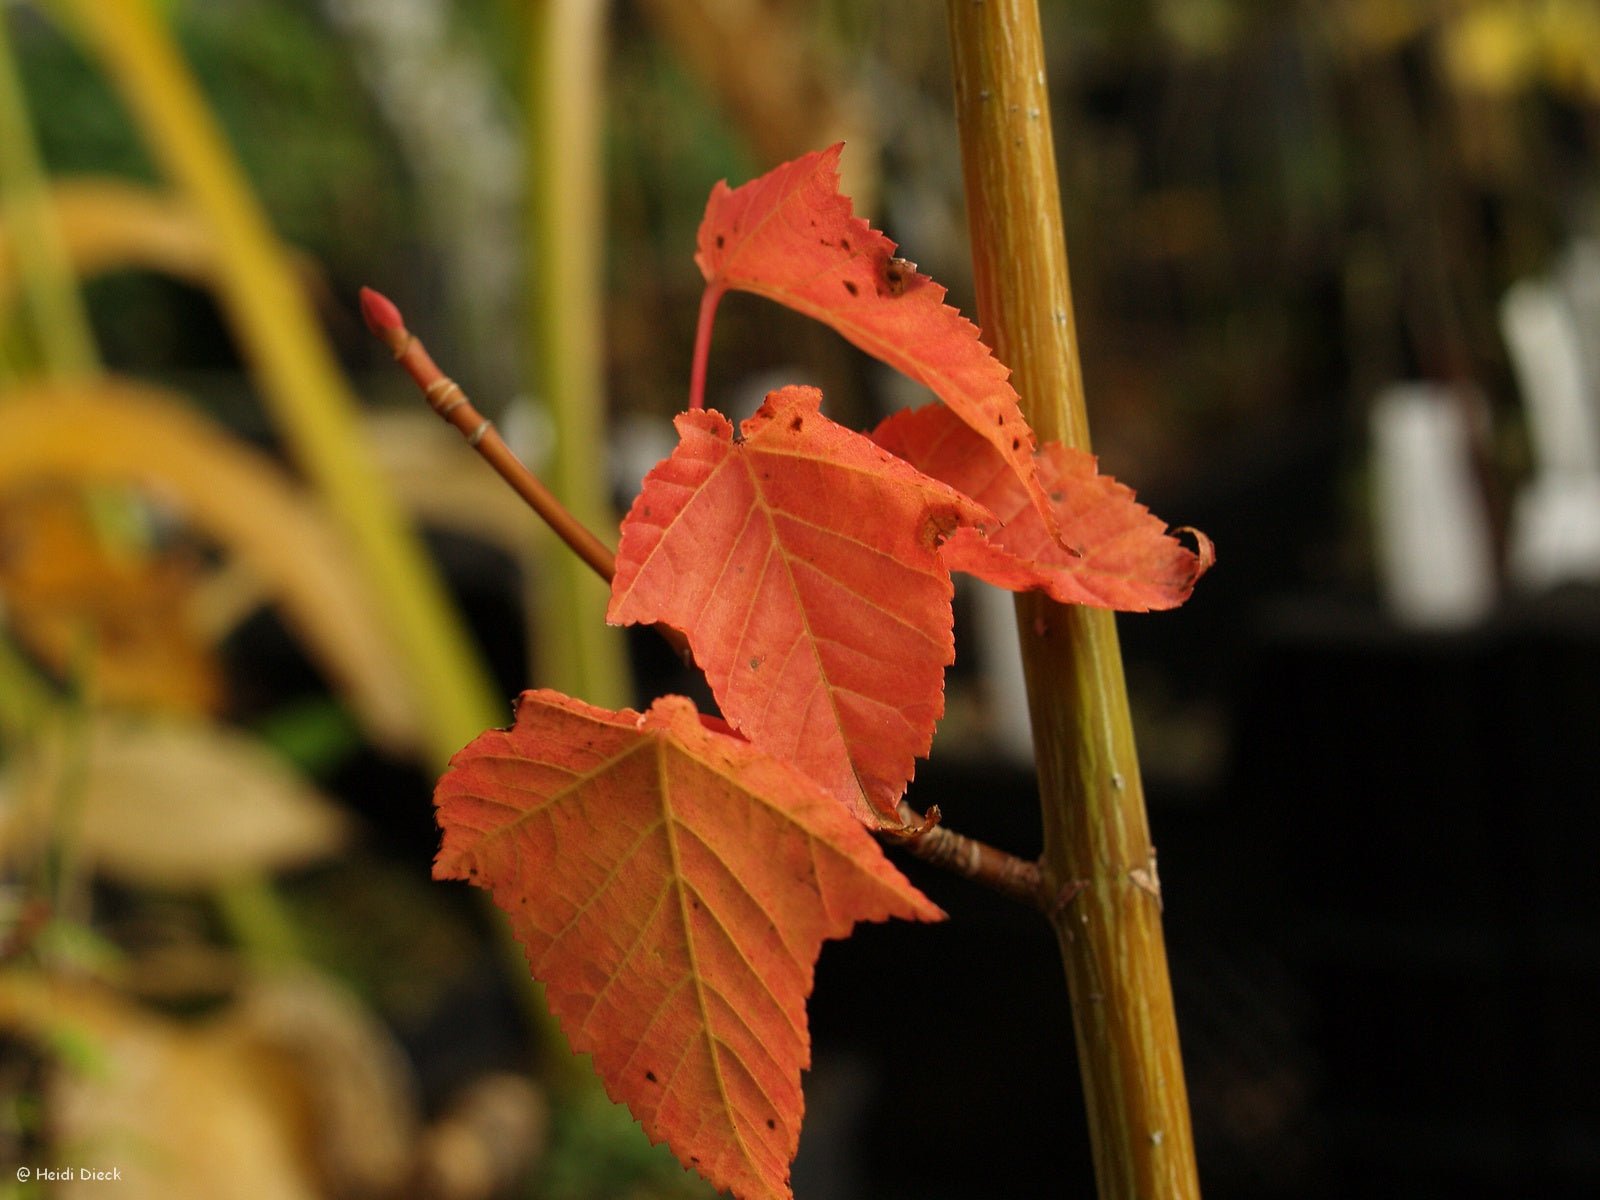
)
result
[(675, 857)]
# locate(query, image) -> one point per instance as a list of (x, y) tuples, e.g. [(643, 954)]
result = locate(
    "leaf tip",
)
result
[(927, 911), (1205, 551), (446, 865)]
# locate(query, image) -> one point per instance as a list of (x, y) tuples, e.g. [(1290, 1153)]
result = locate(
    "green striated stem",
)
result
[(62, 336), (578, 652), (1097, 856)]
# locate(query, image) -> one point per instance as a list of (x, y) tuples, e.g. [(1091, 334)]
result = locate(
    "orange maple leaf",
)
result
[(1121, 555), (790, 235), (672, 887), (802, 563)]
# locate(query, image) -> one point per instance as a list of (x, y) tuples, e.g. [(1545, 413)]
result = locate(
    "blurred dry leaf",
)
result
[(349, 1082), (170, 804), (113, 431), (291, 1094), (297, 372), (68, 589), (494, 1131), (108, 223), (445, 488), (178, 1111)]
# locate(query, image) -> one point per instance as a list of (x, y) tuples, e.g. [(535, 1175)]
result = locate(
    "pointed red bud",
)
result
[(380, 314)]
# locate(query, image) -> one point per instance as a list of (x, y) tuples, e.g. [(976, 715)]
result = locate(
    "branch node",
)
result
[(1148, 880), (1065, 895), (437, 391), (446, 398)]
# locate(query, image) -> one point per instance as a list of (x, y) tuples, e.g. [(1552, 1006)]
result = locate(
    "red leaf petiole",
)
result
[(709, 299)]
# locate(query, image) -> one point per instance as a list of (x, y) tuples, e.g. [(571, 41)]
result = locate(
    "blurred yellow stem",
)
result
[(577, 651), (25, 699), (61, 325), (295, 367)]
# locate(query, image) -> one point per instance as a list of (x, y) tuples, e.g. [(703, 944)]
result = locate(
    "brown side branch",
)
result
[(998, 870), (447, 399)]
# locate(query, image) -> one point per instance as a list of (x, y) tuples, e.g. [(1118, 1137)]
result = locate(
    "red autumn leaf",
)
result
[(672, 887), (789, 235), (1125, 559), (802, 564)]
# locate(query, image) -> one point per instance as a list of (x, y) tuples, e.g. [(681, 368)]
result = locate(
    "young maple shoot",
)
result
[(672, 875)]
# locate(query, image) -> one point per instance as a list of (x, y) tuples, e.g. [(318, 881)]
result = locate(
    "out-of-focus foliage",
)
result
[(289, 98), (111, 224), (168, 803), (155, 572), (1506, 46), (281, 541), (69, 593), (220, 1108)]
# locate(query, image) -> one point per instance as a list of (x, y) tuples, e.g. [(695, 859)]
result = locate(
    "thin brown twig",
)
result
[(998, 870), (924, 837), (445, 397)]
